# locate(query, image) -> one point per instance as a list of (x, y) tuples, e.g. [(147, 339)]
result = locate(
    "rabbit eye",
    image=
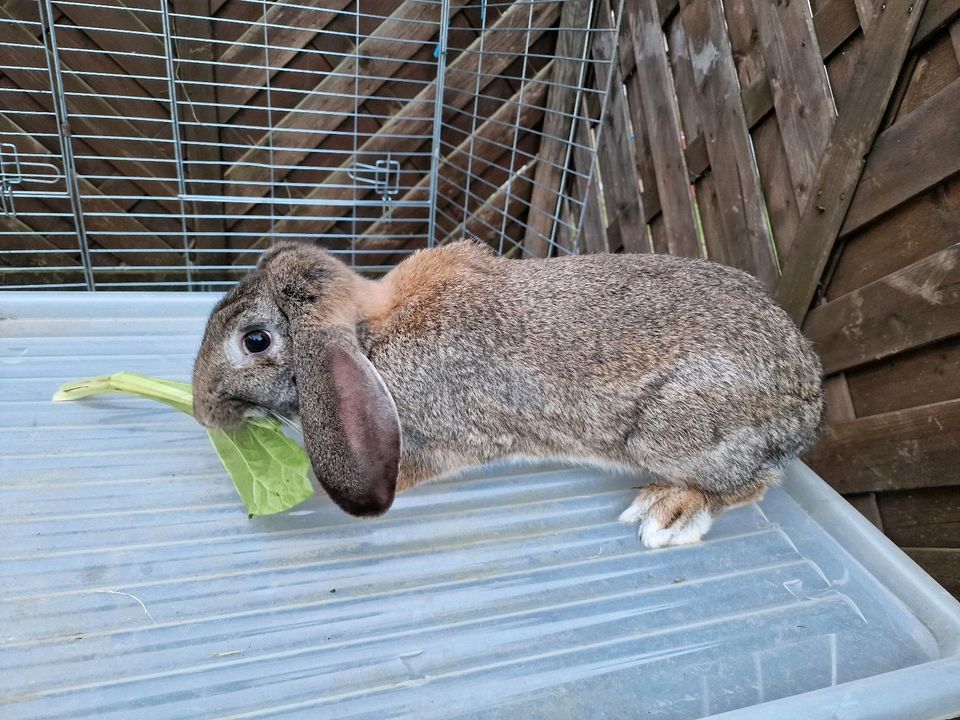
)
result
[(256, 341)]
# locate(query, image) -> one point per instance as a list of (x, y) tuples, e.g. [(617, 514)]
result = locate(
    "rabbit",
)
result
[(457, 356)]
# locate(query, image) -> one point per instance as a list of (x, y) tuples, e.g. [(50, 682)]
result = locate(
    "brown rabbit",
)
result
[(457, 357)]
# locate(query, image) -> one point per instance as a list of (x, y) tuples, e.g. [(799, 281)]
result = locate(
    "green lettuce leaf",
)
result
[(269, 470)]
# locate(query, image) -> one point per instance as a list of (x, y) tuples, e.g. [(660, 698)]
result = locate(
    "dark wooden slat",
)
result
[(943, 565), (745, 242), (757, 100), (835, 21), (661, 122), (853, 134), (616, 155), (911, 307), (837, 403), (922, 518), (711, 235), (667, 8), (649, 197), (838, 408), (800, 88), (911, 448), (592, 234), (658, 235), (867, 11), (938, 14), (866, 505), (921, 226), (556, 126), (934, 69), (916, 153), (771, 158), (33, 238), (919, 377)]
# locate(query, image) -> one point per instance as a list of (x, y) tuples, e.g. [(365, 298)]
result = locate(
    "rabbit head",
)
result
[(285, 340)]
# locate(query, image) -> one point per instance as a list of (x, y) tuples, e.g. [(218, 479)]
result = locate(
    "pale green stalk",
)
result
[(269, 470)]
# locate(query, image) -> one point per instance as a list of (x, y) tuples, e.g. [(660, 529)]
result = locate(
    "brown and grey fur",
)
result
[(678, 366)]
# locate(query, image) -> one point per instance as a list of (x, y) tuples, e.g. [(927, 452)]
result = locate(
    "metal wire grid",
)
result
[(157, 144)]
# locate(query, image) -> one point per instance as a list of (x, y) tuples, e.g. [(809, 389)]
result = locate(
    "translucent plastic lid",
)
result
[(132, 583)]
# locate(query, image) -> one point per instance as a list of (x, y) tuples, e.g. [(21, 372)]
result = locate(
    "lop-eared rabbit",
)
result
[(457, 357)]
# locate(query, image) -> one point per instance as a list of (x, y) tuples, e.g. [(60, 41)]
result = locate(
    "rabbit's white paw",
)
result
[(669, 515)]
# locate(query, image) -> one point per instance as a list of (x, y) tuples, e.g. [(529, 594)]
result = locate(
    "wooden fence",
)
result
[(818, 148)]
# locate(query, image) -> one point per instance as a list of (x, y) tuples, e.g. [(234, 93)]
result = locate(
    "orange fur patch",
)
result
[(416, 283)]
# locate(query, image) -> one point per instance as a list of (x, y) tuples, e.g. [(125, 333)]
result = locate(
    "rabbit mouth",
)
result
[(224, 413)]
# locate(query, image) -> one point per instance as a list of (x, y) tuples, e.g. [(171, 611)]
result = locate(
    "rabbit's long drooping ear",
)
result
[(350, 425)]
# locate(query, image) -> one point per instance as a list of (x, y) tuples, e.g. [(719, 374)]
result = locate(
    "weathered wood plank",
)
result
[(937, 15), (837, 403), (706, 204), (922, 518), (911, 448), (935, 67), (592, 233), (839, 172), (838, 408), (646, 175), (658, 235), (662, 126), (380, 56), (942, 564), (617, 163), (835, 22), (34, 237), (557, 123), (911, 307), (777, 185), (800, 88), (866, 505), (409, 121), (745, 241), (919, 377), (915, 154), (771, 158), (921, 226)]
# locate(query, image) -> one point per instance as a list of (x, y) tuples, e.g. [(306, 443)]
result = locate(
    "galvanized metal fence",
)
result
[(166, 143)]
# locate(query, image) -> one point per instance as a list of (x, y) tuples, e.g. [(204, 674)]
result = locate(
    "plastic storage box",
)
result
[(135, 586)]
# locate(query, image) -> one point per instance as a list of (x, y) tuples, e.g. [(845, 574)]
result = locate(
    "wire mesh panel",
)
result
[(166, 143)]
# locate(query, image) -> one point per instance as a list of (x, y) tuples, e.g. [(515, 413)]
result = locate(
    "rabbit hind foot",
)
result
[(676, 515)]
